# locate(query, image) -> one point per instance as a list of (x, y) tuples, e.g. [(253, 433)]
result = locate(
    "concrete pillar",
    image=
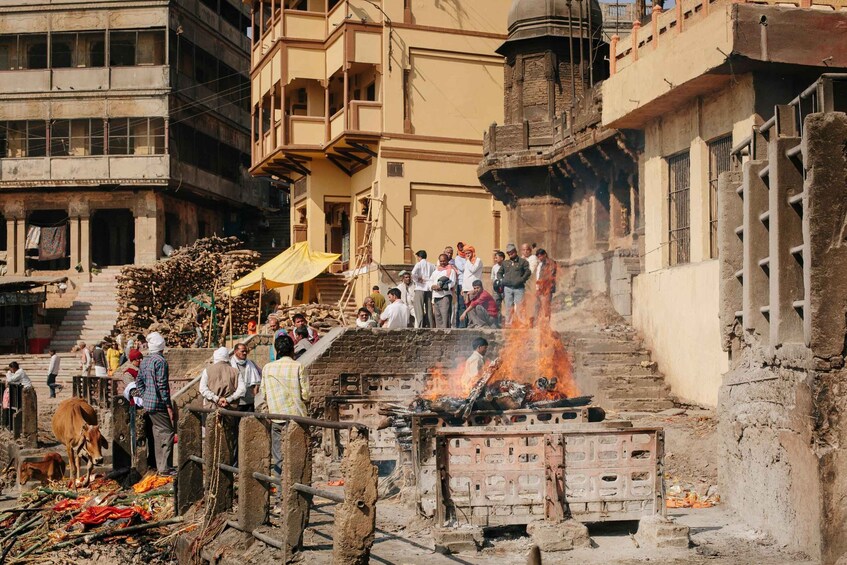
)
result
[(756, 251), (12, 246), (786, 233), (73, 223), (147, 236), (218, 448), (297, 468), (85, 243), (254, 448), (188, 485), (29, 418), (731, 261), (20, 246), (355, 518)]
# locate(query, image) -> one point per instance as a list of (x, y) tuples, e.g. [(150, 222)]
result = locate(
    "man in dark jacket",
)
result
[(516, 272)]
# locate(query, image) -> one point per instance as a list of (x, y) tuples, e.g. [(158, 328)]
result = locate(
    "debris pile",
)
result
[(49, 519), (157, 297), (322, 317), (678, 496)]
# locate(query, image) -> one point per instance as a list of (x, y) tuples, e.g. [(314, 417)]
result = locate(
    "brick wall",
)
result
[(376, 351)]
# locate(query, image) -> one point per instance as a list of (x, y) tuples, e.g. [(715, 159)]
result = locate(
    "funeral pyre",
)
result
[(530, 370)]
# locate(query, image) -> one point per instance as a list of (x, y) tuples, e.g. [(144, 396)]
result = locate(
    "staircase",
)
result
[(275, 239), (330, 290), (36, 369), (611, 364), (93, 314)]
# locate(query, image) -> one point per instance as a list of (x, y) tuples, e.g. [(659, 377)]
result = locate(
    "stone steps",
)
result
[(614, 367), (93, 314)]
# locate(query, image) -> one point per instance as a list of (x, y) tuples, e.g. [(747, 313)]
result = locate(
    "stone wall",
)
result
[(783, 405)]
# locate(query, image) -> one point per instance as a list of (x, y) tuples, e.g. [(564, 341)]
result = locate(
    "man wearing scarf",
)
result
[(153, 386), (220, 383), (249, 373)]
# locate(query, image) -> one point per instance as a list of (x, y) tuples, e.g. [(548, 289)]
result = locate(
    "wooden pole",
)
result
[(229, 333), (261, 288)]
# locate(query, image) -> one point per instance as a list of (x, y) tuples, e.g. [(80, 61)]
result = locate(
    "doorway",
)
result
[(112, 237), (48, 246)]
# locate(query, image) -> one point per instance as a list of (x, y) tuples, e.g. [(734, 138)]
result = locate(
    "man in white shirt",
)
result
[(220, 384), (443, 283), (407, 295), (475, 364), (527, 253), (249, 372), (396, 314), (17, 376), (421, 273), (53, 372)]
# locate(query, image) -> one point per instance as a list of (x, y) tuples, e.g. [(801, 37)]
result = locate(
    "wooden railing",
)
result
[(206, 472)]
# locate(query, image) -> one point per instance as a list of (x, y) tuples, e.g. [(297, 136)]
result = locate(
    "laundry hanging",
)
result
[(33, 237), (54, 242)]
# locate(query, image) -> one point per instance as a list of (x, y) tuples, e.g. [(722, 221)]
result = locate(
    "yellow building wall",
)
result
[(469, 15), (676, 308)]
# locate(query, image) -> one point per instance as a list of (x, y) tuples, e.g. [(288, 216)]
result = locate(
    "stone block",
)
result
[(661, 532), (457, 540), (559, 536)]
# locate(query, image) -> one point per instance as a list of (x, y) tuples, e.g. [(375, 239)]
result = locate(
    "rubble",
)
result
[(50, 518), (660, 532), (156, 297), (558, 536)]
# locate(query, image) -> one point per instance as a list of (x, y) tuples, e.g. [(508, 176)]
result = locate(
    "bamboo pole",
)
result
[(229, 333), (261, 289)]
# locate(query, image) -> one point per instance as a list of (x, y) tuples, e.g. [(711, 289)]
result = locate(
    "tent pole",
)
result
[(261, 288), (229, 337)]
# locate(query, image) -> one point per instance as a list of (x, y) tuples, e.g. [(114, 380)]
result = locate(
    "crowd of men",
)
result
[(451, 292)]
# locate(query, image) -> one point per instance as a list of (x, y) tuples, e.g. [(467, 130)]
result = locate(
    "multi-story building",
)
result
[(123, 127), (374, 111)]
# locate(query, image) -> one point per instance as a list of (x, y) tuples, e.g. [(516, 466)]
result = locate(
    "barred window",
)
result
[(679, 209), (719, 162), (136, 136)]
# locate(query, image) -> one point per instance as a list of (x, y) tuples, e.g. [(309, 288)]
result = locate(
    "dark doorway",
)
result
[(48, 246), (112, 237)]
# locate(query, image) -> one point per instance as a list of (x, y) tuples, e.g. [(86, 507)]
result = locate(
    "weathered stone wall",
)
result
[(782, 405)]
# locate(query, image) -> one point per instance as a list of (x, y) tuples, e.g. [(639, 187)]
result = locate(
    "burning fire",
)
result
[(532, 355)]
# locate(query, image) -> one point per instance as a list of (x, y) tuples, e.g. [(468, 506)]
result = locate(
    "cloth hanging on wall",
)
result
[(33, 237), (54, 242)]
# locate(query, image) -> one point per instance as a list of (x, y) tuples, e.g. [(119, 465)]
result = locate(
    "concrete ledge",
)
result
[(661, 532), (559, 536)]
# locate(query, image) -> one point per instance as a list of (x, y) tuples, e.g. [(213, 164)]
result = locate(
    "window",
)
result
[(130, 48), (32, 51), (371, 92), (719, 162), (23, 138), (62, 50), (679, 209), (8, 52), (136, 136), (78, 138), (86, 49)]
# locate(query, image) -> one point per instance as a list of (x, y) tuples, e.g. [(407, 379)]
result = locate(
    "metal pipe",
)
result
[(196, 459), (229, 468), (256, 534), (299, 419), (267, 478), (319, 493)]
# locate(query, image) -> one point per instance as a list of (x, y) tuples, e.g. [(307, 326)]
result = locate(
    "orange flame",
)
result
[(532, 350)]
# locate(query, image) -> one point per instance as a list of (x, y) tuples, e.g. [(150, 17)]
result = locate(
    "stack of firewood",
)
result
[(322, 317), (157, 297)]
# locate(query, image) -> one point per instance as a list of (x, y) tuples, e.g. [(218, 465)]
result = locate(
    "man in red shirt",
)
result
[(482, 311)]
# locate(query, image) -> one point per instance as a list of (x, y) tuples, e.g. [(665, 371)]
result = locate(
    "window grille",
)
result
[(679, 209), (719, 162)]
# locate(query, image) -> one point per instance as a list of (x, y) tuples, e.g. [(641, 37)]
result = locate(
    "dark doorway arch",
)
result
[(112, 237)]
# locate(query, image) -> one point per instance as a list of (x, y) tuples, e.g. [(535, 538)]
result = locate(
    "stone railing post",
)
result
[(654, 23), (296, 468), (636, 28), (218, 448), (188, 485), (355, 518), (28, 412), (254, 448)]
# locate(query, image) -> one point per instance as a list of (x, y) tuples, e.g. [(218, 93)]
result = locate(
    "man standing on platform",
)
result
[(153, 386), (421, 273)]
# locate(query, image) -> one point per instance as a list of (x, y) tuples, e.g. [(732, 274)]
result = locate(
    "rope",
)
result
[(212, 525)]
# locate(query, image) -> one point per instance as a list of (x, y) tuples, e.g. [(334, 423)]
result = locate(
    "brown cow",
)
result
[(75, 425), (51, 468)]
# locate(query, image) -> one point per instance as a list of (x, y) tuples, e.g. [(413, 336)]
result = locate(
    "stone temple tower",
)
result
[(551, 57), (569, 184)]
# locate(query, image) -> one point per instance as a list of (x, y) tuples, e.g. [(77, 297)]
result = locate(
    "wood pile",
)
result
[(322, 317), (156, 297)]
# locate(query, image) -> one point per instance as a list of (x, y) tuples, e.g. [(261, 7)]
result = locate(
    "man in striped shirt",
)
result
[(153, 386), (284, 390)]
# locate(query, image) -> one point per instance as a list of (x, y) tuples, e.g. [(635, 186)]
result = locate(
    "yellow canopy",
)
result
[(295, 265)]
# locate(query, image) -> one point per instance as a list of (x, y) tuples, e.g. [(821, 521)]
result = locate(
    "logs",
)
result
[(155, 297), (322, 317)]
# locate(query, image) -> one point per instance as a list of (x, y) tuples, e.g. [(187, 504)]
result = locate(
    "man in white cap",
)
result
[(220, 384), (251, 374), (153, 386)]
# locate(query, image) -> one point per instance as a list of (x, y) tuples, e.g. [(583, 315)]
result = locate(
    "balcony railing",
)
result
[(361, 116), (97, 169), (84, 79)]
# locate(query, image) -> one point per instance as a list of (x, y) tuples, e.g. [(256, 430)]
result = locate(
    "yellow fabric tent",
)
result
[(295, 265)]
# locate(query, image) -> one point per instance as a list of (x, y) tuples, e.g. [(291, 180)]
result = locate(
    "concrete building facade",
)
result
[(373, 112), (123, 127)]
